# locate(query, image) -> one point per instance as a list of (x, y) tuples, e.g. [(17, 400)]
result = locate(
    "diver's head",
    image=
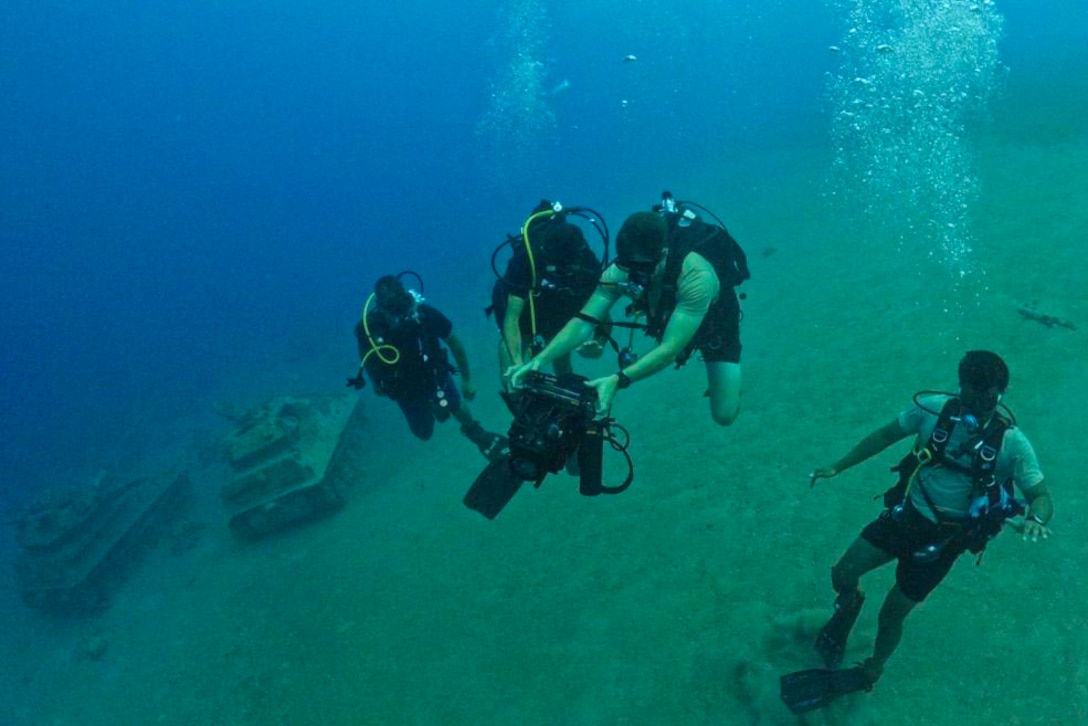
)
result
[(390, 296), (984, 378), (564, 241), (641, 241)]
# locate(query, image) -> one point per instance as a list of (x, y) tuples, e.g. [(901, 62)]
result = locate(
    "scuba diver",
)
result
[(401, 349), (954, 493), (679, 272), (548, 279)]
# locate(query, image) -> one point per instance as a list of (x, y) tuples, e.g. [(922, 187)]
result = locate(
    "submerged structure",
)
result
[(75, 543), (290, 460)]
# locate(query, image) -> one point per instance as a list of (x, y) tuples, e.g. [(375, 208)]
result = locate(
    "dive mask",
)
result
[(981, 401), (638, 271), (397, 304)]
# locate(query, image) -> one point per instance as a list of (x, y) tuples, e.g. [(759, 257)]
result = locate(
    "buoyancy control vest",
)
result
[(687, 234), (551, 258), (421, 361), (992, 501)]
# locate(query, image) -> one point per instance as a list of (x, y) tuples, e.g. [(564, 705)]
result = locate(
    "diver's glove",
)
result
[(358, 382)]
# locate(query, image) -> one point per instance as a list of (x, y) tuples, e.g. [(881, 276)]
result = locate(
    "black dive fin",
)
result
[(808, 690), (493, 489)]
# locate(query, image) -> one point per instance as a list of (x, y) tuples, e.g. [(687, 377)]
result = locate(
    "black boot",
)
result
[(492, 446), (873, 671), (831, 642)]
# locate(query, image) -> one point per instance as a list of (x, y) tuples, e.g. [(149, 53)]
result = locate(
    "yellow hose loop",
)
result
[(375, 346), (532, 264)]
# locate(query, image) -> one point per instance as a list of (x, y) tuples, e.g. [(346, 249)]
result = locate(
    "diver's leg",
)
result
[(463, 415), (417, 411), (859, 558), (471, 428), (914, 580), (889, 631), (490, 444), (723, 388)]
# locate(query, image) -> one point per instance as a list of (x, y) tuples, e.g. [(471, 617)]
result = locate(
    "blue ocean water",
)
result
[(188, 187), (185, 187), (194, 194)]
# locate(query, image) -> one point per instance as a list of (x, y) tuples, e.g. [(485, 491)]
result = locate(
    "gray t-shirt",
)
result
[(950, 489)]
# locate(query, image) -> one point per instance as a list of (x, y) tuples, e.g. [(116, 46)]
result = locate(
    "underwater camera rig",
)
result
[(554, 426)]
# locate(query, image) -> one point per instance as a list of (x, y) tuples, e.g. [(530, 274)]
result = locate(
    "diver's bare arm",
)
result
[(870, 446), (511, 328), (678, 333), (577, 330), (459, 356)]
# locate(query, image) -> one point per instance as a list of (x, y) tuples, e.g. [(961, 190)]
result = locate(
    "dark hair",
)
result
[(389, 294), (641, 238), (982, 369), (564, 241)]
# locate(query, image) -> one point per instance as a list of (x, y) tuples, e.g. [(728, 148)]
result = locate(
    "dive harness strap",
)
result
[(984, 450), (613, 323)]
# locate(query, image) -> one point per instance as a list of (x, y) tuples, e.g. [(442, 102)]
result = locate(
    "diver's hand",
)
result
[(468, 388), (516, 374), (508, 373), (606, 391), (1033, 530), (821, 472)]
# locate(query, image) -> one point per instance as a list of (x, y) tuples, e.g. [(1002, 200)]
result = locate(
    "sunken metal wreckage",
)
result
[(289, 460)]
